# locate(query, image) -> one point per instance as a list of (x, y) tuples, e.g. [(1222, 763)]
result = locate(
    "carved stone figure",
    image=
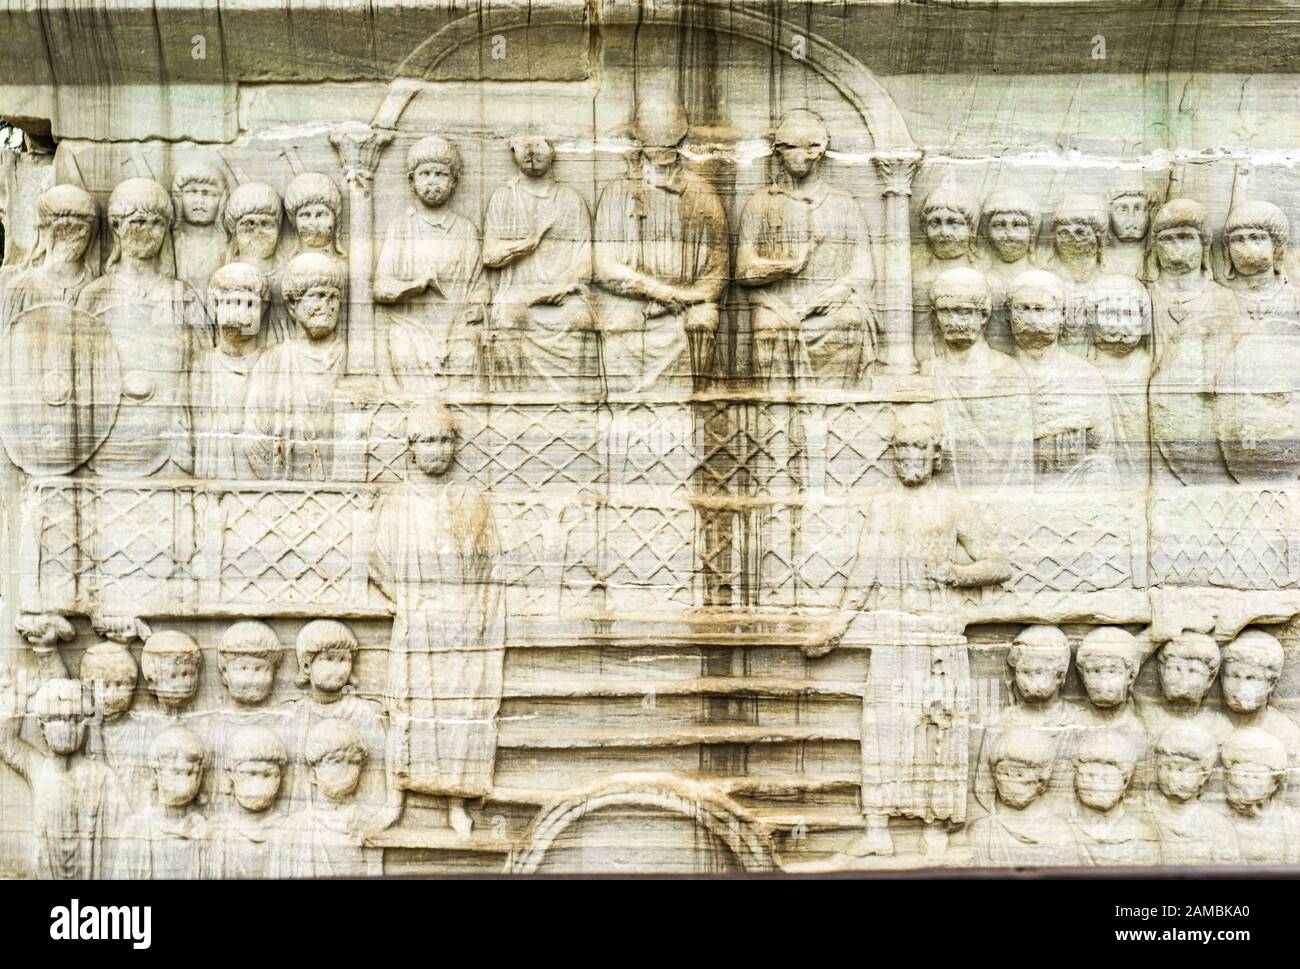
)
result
[(983, 393), (1108, 662), (1255, 237), (430, 271), (78, 809), (1120, 311), (1129, 218), (109, 672), (1252, 667), (65, 258), (315, 206), (1011, 220), (1254, 772), (253, 220), (661, 254), (1023, 828), (238, 297), (537, 234), (805, 252), (950, 220), (169, 838), (171, 662), (249, 842), (1078, 255), (434, 555), (158, 324), (1074, 425), (915, 733), (289, 411), (1188, 664), (247, 658), (199, 188), (1107, 830), (1191, 832)]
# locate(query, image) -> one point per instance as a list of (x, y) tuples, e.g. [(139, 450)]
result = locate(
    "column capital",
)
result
[(895, 169), (359, 147)]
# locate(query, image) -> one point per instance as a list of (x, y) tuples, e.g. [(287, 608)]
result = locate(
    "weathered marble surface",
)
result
[(666, 437)]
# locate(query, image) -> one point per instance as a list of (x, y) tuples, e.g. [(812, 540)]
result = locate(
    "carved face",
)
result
[(533, 155), (200, 203), (1020, 784), (256, 783), (239, 313), (434, 452), (1184, 680), (331, 669), (173, 680), (248, 678), (256, 235), (113, 696), (1250, 785), (433, 182), (337, 776), (1178, 250), (1036, 320), (947, 233), (660, 156), (1038, 678), (315, 224), (1118, 326), (141, 234), (914, 461), (63, 734), (800, 160), (1128, 218), (1246, 686), (960, 321), (178, 780), (1100, 786), (317, 311), (1009, 235), (71, 236), (1181, 778), (1077, 238), (1251, 251), (1106, 679)]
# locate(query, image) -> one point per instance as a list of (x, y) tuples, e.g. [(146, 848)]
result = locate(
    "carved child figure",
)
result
[(1254, 772), (78, 809), (169, 839), (1191, 833), (238, 296), (1107, 831), (1023, 828), (537, 234), (1011, 221), (805, 250), (289, 412), (200, 191), (1108, 662), (1120, 310), (430, 270), (1188, 664), (1252, 666), (245, 842)]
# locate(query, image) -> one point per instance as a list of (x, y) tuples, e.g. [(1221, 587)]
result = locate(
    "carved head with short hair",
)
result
[(1104, 763), (1036, 303), (315, 205), (1252, 665), (1254, 767), (1021, 760), (432, 169), (1130, 208), (1011, 221), (61, 710), (252, 220), (1185, 755), (238, 296), (916, 443), (962, 304), (533, 153), (950, 219), (1079, 228), (660, 127), (1038, 659), (248, 655), (336, 753), (800, 142), (110, 672), (1188, 665), (326, 650), (200, 190), (431, 433), (312, 284), (171, 662), (1255, 237), (178, 759), (66, 224), (1180, 237), (1108, 662), (1120, 308), (140, 215), (254, 763)]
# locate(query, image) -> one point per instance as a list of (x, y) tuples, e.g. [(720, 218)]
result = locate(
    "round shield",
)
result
[(60, 381), (1257, 404)]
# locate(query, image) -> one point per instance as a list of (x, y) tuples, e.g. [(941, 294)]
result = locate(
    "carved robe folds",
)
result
[(434, 555), (290, 411)]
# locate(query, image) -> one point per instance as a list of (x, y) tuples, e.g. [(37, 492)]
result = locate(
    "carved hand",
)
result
[(941, 571)]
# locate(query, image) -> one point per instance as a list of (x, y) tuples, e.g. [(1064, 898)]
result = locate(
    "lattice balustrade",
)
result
[(1238, 538)]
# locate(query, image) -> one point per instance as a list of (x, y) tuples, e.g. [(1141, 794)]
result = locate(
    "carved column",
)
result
[(895, 172), (359, 147)]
